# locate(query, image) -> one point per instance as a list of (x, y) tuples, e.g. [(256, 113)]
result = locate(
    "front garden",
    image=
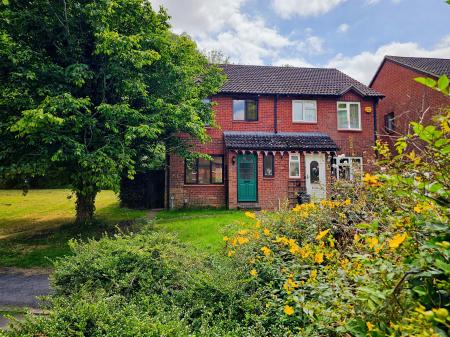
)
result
[(372, 261)]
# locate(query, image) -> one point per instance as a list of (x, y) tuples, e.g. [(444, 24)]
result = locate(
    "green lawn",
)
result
[(203, 228), (37, 226)]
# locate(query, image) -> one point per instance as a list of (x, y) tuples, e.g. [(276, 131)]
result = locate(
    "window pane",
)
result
[(204, 171), (310, 111), (217, 173), (238, 109), (344, 172), (268, 165), (294, 166), (354, 116), (342, 119), (297, 111), (191, 171), (314, 172), (342, 106), (252, 110)]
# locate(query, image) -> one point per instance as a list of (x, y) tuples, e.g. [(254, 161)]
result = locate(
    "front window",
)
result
[(294, 166), (304, 111), (347, 168), (201, 171), (207, 101), (349, 115), (245, 110), (268, 165), (389, 122)]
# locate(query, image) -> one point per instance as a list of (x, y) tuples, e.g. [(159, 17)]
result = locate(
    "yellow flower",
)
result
[(254, 273), (372, 242), (313, 274), (331, 243), (230, 253), (258, 224), (234, 242), (266, 250), (370, 326), (356, 238), (250, 215), (295, 249), (256, 235), (371, 180), (347, 202), (417, 209), (226, 238), (242, 240), (290, 285), (243, 232), (397, 240), (288, 310), (266, 231), (322, 234), (318, 258)]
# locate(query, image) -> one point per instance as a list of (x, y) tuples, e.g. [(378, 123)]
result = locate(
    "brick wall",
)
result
[(409, 100), (271, 191)]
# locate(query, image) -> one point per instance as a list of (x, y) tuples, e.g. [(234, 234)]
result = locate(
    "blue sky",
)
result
[(351, 35)]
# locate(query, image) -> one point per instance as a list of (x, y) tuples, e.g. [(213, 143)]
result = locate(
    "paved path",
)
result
[(19, 288)]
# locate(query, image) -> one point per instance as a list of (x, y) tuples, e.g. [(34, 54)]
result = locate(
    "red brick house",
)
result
[(406, 100), (280, 131)]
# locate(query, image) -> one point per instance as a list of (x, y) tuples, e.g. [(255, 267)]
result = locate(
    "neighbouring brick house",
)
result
[(406, 100), (280, 131)]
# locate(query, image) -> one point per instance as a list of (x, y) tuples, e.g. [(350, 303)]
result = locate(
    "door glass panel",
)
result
[(314, 172), (246, 168)]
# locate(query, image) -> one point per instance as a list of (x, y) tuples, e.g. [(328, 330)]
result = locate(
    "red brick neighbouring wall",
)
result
[(405, 97)]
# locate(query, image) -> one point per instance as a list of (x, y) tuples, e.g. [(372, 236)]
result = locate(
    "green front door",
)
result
[(246, 166)]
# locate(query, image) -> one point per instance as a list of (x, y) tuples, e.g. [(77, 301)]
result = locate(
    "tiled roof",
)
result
[(250, 79), (432, 66), (298, 141)]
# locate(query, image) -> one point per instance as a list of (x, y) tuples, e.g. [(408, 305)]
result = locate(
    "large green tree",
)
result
[(90, 89)]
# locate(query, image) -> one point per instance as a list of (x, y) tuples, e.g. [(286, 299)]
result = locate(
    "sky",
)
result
[(350, 35)]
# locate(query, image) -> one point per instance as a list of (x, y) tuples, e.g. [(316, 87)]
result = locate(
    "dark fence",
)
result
[(146, 190)]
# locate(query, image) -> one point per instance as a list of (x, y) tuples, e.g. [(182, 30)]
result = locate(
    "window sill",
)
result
[(269, 178), (299, 122), (296, 178), (253, 122), (203, 185), (350, 130)]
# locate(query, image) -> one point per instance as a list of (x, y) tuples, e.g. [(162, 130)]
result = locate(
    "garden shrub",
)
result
[(373, 261)]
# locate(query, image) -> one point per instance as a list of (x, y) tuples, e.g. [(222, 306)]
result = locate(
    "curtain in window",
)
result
[(354, 116)]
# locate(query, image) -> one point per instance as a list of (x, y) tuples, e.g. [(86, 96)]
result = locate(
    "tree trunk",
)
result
[(85, 207)]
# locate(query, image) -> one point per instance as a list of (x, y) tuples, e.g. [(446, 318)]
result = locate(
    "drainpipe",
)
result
[(375, 126), (275, 113)]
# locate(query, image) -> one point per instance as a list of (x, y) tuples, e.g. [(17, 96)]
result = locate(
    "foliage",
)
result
[(373, 261), (92, 89)]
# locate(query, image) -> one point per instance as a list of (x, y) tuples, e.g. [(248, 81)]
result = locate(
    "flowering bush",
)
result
[(372, 261)]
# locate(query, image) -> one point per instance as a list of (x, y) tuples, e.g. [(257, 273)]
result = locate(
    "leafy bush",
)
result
[(374, 260)]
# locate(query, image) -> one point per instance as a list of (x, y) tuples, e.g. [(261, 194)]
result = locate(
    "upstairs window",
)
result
[(349, 115), (389, 125), (201, 171), (268, 165), (304, 111), (245, 110), (347, 168), (208, 102)]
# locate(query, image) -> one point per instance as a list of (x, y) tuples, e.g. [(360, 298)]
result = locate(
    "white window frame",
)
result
[(303, 111), (294, 161), (348, 116), (350, 164)]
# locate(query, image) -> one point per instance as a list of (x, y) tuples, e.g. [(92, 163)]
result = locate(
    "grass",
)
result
[(203, 228), (35, 228)]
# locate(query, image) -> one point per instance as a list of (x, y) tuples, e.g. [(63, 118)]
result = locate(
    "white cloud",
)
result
[(363, 66), (294, 62), (221, 25), (343, 28), (290, 8), (199, 16), (373, 2)]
